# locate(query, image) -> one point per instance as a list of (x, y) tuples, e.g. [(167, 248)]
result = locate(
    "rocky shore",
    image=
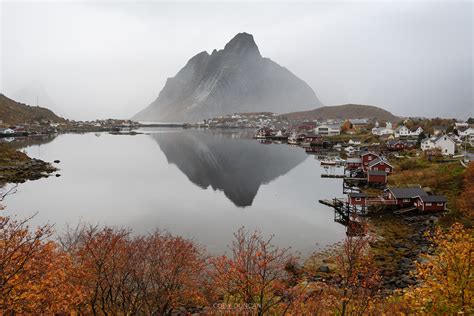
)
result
[(17, 167), (400, 243)]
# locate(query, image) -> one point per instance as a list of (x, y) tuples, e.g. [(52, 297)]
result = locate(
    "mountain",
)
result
[(234, 79), (12, 112), (238, 167), (346, 111)]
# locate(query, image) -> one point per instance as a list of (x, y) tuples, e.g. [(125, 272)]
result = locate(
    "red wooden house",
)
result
[(367, 158), (399, 145), (380, 164), (404, 197), (353, 163), (376, 176), (431, 203), (357, 198)]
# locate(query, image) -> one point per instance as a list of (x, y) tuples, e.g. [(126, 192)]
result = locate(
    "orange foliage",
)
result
[(447, 277), (136, 275), (255, 275), (466, 198), (34, 273)]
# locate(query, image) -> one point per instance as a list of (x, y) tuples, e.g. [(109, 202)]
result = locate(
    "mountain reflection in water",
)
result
[(236, 166)]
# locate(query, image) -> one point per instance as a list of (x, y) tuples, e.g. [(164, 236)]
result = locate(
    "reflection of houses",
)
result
[(443, 143)]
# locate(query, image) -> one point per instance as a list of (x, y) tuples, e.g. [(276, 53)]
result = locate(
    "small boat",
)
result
[(328, 162)]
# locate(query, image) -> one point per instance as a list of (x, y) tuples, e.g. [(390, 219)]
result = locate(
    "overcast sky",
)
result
[(108, 59)]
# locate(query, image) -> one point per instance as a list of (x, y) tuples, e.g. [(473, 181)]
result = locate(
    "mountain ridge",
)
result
[(13, 112), (234, 79), (344, 111)]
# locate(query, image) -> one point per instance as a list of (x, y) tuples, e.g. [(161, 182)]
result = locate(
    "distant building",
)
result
[(328, 129), (399, 145), (439, 130), (403, 131), (380, 131), (443, 142), (359, 123), (6, 131)]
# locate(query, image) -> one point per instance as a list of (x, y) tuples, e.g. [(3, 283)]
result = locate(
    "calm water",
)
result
[(200, 184)]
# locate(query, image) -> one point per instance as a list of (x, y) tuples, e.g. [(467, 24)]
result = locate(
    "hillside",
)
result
[(346, 111), (12, 112), (232, 80)]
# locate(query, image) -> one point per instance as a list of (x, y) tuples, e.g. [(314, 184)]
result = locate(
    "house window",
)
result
[(358, 199), (370, 157), (406, 200), (440, 204), (428, 204), (387, 169)]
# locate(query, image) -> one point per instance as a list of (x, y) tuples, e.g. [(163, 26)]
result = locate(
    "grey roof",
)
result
[(376, 161), (359, 121), (368, 152), (377, 173), (354, 160), (433, 198), (407, 193), (357, 195)]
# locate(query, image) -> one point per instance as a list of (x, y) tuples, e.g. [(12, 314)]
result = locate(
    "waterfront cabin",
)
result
[(431, 203), (404, 197), (380, 164), (264, 132), (353, 163), (377, 176), (367, 157), (357, 198), (313, 140), (399, 145)]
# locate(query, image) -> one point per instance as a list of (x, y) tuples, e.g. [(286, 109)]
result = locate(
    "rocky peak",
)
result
[(242, 44)]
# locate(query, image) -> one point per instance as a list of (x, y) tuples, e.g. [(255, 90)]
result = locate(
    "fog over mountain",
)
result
[(235, 79), (110, 59)]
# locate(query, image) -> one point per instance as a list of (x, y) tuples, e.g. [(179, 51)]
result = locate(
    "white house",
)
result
[(443, 142), (354, 142), (466, 132), (380, 131), (403, 131), (6, 131), (460, 125), (328, 129)]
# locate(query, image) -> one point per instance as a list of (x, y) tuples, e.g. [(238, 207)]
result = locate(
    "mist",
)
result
[(110, 60)]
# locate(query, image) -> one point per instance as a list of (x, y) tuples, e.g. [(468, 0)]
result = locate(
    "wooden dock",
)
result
[(341, 176)]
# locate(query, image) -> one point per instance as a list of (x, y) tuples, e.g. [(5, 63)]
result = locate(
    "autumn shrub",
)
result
[(125, 274), (447, 277), (255, 275), (34, 273)]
